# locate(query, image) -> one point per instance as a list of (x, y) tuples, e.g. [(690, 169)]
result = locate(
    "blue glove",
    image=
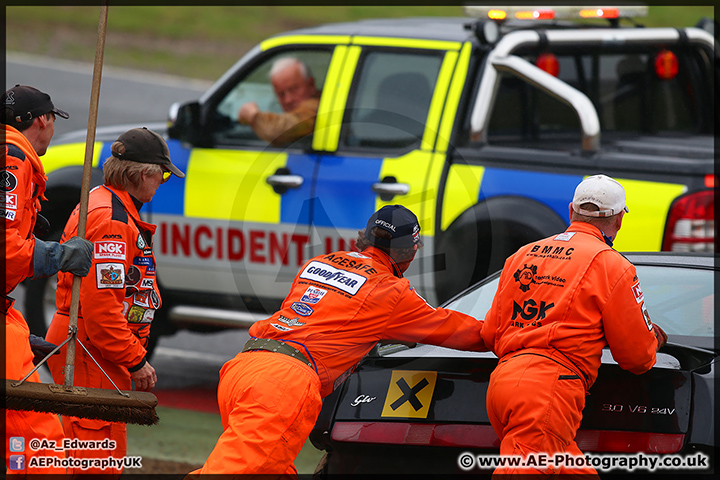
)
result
[(40, 348), (74, 256)]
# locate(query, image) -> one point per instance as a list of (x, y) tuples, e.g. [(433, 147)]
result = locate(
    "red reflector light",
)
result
[(710, 181), (690, 225), (549, 63), (629, 442), (666, 65), (396, 433)]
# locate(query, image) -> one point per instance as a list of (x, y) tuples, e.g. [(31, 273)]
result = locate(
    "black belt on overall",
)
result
[(276, 346)]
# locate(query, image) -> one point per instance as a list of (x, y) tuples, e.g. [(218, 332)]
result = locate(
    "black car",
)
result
[(422, 410)]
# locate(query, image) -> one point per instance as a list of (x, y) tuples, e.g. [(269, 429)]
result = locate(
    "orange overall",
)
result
[(22, 184), (340, 305), (118, 300), (559, 302)]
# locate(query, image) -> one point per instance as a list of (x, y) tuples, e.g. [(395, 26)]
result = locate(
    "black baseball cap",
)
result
[(401, 223), (27, 103), (144, 146)]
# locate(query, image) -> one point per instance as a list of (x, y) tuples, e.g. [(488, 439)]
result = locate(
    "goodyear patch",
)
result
[(409, 394), (319, 272)]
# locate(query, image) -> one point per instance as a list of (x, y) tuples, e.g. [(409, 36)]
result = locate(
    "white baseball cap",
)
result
[(604, 192)]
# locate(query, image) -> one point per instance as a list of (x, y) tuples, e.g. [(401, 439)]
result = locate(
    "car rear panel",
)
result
[(417, 415)]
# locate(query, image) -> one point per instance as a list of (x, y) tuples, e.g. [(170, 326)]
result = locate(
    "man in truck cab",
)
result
[(295, 89)]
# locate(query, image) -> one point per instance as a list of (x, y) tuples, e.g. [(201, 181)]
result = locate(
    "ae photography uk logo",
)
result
[(18, 460), (628, 462)]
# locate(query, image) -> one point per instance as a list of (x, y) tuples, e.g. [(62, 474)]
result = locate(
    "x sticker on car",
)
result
[(409, 394)]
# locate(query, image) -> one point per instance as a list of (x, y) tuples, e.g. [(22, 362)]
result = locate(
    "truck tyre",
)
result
[(477, 243)]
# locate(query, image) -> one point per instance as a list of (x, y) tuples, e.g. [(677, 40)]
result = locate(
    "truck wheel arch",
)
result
[(63, 195), (479, 240)]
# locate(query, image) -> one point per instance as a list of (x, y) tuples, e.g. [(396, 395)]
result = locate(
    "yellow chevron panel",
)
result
[(231, 185)]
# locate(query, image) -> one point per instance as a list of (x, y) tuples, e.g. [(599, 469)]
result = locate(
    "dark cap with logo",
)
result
[(27, 103), (399, 222), (144, 146)]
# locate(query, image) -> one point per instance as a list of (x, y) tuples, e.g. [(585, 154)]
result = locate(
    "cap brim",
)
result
[(61, 113), (176, 171)]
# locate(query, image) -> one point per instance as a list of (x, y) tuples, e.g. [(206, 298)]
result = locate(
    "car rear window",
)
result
[(649, 91)]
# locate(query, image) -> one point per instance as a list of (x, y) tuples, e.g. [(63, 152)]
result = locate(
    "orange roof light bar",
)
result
[(497, 14), (555, 13), (600, 13), (535, 15)]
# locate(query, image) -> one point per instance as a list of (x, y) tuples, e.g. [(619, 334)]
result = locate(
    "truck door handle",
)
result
[(289, 181), (283, 180), (388, 187)]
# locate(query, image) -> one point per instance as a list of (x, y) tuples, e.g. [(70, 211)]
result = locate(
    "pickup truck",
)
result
[(481, 126)]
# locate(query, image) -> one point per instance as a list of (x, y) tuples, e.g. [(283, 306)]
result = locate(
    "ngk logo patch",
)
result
[(9, 200), (110, 250), (638, 293)]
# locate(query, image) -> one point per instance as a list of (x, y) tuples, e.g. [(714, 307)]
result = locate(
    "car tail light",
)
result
[(397, 433), (483, 437), (690, 225), (628, 442)]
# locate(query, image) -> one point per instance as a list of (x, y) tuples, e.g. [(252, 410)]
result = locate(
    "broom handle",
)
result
[(85, 188)]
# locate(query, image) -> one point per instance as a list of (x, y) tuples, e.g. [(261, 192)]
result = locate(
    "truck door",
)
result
[(383, 143), (239, 221)]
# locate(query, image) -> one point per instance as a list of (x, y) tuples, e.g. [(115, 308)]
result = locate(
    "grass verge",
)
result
[(203, 42), (183, 440)]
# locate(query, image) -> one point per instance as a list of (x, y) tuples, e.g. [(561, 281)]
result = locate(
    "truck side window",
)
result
[(630, 96), (256, 87), (390, 104)]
